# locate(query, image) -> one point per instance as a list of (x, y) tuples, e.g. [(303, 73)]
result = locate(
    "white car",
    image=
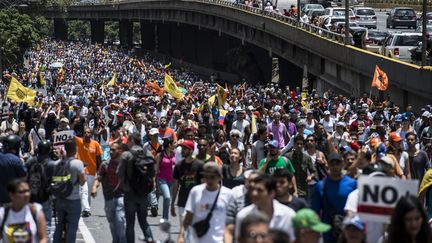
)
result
[(397, 45), (337, 13), (366, 17)]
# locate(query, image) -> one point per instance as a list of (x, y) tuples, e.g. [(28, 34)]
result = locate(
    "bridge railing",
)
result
[(289, 20)]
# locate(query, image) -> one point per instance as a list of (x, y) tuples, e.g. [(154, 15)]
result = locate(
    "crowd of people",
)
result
[(262, 164)]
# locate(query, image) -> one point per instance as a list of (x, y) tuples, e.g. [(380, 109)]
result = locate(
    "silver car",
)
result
[(398, 45), (366, 17)]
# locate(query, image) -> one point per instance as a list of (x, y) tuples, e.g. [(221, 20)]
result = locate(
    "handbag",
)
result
[(336, 220), (201, 227)]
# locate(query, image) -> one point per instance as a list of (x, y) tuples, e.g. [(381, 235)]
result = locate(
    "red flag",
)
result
[(380, 79)]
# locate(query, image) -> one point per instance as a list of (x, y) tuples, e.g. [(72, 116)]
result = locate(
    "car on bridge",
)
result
[(308, 7), (401, 16), (428, 30), (398, 45), (366, 17), (374, 39), (428, 19)]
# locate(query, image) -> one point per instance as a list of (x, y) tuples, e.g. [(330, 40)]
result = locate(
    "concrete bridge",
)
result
[(212, 33)]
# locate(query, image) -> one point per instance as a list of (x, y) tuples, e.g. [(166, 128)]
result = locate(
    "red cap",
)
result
[(395, 137), (188, 144), (375, 142)]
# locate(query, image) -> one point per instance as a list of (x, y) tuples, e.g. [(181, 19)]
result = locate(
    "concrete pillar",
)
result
[(148, 35), (60, 29), (164, 38), (97, 31), (290, 74), (126, 32)]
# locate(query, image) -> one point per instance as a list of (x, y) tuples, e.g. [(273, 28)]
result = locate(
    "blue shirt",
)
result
[(11, 168), (336, 195)]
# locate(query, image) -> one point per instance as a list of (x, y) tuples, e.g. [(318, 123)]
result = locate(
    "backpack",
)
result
[(62, 185), (143, 171), (7, 207), (38, 181)]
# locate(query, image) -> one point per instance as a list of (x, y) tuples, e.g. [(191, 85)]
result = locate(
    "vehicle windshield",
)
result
[(409, 40), (377, 34), (314, 6), (341, 13), (404, 12), (365, 12)]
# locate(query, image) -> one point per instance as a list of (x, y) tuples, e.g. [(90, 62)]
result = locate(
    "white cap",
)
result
[(326, 113), (154, 131)]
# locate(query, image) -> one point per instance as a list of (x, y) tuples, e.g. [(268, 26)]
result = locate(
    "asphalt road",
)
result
[(381, 24), (98, 226)]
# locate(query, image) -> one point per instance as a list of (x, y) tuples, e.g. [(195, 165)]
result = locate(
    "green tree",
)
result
[(112, 31), (18, 32), (79, 30)]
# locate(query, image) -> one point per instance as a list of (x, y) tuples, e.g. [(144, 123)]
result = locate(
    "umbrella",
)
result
[(56, 65)]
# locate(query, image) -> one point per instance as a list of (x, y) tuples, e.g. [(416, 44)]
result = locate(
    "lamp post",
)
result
[(424, 37), (347, 42)]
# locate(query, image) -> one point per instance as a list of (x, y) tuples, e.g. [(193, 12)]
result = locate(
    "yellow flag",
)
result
[(211, 100), (222, 95), (42, 80), (171, 87), (20, 93), (167, 66), (113, 80)]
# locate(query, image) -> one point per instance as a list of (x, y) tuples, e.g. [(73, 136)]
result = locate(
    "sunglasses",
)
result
[(23, 191)]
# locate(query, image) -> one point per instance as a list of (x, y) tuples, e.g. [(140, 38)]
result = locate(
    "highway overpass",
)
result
[(203, 32)]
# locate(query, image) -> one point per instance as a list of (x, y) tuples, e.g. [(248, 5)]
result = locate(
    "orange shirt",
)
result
[(168, 132), (87, 153)]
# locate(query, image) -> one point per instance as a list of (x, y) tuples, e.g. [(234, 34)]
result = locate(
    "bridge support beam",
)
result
[(97, 31), (126, 32), (148, 35), (60, 29), (290, 74)]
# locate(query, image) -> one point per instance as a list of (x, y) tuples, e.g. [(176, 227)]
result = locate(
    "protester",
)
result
[(308, 227), (254, 229), (113, 195), (22, 219), (354, 231), (206, 207), (284, 187), (68, 203)]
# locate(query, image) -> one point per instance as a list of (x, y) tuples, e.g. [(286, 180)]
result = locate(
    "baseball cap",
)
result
[(340, 124), (273, 144), (395, 137), (387, 160), (64, 119), (188, 144), (307, 218), (211, 168), (355, 221), (326, 113), (154, 131)]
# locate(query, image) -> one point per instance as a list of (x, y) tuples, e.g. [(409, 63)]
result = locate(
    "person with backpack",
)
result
[(22, 221), (40, 170), (67, 178), (137, 179)]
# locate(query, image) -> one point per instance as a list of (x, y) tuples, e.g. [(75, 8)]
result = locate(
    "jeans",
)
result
[(136, 205), (47, 209), (115, 213), (68, 215), (84, 192), (165, 189)]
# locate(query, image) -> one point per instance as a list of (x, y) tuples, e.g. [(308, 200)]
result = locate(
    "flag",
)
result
[(222, 95), (167, 66), (380, 79), (222, 114), (154, 86), (112, 82), (42, 80), (20, 93), (171, 87), (61, 74)]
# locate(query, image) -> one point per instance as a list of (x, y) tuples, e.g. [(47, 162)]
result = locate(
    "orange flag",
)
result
[(154, 86), (380, 79)]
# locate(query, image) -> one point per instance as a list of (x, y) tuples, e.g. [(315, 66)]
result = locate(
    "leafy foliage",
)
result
[(78, 30), (111, 31), (18, 32)]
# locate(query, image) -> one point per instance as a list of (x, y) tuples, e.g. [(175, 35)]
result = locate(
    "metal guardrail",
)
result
[(288, 20)]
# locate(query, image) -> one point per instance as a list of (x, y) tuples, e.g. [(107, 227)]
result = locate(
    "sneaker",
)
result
[(154, 211), (162, 220), (85, 214)]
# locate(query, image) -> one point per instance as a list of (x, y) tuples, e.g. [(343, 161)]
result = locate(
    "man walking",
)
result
[(113, 195), (136, 165), (89, 152)]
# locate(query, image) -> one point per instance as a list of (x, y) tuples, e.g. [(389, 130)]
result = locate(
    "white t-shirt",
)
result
[(240, 125), (340, 140), (20, 226), (281, 219), (328, 125), (374, 230), (199, 202)]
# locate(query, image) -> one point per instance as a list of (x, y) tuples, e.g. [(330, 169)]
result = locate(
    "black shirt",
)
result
[(296, 203), (188, 175), (229, 180), (11, 168)]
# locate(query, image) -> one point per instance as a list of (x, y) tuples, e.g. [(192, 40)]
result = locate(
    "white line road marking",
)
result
[(85, 232)]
